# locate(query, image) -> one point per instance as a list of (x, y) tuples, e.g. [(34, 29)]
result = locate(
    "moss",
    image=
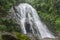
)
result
[(21, 36), (13, 36)]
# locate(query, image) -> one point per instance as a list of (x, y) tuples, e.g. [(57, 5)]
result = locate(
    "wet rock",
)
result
[(8, 37)]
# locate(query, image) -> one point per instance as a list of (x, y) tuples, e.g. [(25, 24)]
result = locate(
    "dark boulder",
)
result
[(8, 37)]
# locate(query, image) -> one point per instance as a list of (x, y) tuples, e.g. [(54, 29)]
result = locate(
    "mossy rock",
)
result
[(21, 36), (16, 36), (8, 37)]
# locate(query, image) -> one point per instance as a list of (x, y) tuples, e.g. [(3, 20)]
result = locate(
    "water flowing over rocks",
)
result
[(29, 21)]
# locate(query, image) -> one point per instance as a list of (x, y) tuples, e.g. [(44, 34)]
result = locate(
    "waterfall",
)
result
[(30, 22)]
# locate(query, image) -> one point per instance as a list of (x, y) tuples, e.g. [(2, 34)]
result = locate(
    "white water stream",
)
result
[(30, 22)]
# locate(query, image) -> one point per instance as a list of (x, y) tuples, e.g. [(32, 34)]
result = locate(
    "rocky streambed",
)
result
[(12, 36), (35, 37)]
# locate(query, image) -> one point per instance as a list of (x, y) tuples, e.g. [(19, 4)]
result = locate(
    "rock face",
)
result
[(13, 36), (51, 39), (31, 36), (8, 37)]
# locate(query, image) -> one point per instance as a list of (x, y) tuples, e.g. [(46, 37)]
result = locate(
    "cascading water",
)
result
[(27, 15)]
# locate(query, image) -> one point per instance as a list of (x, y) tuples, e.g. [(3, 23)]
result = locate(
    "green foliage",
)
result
[(57, 21), (3, 28), (8, 25), (57, 24), (5, 5)]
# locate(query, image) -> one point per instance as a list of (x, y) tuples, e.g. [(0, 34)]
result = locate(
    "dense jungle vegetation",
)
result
[(48, 10)]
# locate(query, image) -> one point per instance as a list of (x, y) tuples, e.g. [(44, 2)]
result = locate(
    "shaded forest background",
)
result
[(48, 10)]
